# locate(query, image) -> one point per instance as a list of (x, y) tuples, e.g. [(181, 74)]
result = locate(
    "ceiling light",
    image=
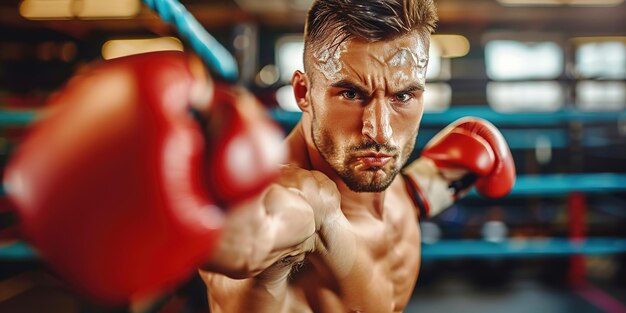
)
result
[(122, 47), (108, 9), (452, 46), (46, 9), (67, 9)]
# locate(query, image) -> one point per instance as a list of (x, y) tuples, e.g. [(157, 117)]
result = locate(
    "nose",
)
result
[(376, 124)]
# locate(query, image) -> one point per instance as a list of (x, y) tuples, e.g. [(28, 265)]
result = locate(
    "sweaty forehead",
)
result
[(354, 57), (394, 52)]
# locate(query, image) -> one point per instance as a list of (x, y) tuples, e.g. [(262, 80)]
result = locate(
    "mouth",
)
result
[(374, 160)]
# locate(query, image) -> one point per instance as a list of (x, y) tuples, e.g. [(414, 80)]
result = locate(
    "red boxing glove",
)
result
[(112, 187), (243, 149), (469, 145), (475, 145)]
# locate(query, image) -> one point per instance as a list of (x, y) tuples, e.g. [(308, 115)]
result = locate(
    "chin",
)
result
[(373, 187), (369, 188), (370, 180)]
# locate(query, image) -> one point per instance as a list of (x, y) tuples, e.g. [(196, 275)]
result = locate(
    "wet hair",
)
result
[(331, 22)]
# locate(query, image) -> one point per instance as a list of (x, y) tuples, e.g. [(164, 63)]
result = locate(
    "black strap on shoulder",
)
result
[(418, 200)]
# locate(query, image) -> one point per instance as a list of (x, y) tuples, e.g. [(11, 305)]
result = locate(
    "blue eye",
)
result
[(404, 97), (350, 94)]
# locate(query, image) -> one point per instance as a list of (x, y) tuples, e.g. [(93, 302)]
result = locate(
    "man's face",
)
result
[(366, 105)]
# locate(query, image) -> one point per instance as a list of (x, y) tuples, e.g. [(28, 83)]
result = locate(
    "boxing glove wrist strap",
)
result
[(418, 197)]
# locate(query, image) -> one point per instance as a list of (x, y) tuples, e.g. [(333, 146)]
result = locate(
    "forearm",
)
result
[(262, 231), (432, 185), (469, 152)]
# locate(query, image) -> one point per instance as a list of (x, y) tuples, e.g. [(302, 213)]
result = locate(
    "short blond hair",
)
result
[(331, 22)]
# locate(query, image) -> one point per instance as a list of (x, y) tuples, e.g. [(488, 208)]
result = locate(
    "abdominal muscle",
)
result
[(304, 290)]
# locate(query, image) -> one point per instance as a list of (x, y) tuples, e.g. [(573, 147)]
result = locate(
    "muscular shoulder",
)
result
[(315, 187), (308, 181)]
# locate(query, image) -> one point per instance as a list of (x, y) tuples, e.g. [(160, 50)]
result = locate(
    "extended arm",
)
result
[(262, 231), (285, 220), (470, 151)]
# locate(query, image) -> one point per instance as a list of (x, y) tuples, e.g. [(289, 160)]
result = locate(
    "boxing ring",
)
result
[(523, 131), (544, 185)]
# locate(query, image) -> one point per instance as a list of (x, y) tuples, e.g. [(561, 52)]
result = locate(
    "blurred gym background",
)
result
[(551, 74)]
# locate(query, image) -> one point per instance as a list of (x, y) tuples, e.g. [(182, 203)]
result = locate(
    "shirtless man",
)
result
[(124, 195), (338, 231)]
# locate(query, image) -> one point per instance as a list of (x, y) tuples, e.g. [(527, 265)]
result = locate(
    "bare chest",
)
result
[(384, 265), (384, 272)]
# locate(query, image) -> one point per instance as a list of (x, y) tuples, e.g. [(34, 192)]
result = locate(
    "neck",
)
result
[(360, 202)]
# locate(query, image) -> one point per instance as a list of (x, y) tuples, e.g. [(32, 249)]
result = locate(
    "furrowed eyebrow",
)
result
[(411, 88), (344, 84), (348, 85)]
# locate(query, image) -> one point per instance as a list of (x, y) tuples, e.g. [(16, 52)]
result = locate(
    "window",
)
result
[(517, 60), (289, 54), (437, 97), (601, 96), (600, 64), (606, 60), (542, 96), (522, 74)]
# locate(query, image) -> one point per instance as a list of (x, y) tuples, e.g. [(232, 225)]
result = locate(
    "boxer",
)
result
[(145, 169), (338, 230)]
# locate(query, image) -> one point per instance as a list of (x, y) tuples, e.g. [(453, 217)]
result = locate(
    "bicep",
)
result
[(291, 217), (262, 231)]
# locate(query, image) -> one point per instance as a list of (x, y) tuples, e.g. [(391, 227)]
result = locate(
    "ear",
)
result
[(300, 84)]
